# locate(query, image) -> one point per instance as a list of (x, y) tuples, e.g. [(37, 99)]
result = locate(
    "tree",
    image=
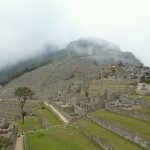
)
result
[(23, 93)]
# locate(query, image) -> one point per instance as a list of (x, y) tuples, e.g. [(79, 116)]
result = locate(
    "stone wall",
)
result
[(58, 107), (9, 134), (96, 139), (122, 132), (131, 113), (42, 121), (65, 111), (71, 118), (100, 105), (82, 112), (132, 101), (62, 108), (143, 88), (49, 108)]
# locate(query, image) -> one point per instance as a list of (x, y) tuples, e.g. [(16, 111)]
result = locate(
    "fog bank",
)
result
[(27, 26)]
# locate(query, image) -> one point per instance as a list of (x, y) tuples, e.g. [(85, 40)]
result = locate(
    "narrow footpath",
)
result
[(19, 143), (57, 112)]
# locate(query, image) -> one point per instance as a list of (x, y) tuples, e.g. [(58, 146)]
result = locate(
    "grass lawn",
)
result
[(59, 139), (108, 137), (30, 123), (48, 116), (132, 125)]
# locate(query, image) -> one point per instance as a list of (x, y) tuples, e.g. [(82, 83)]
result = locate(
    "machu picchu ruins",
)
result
[(79, 100)]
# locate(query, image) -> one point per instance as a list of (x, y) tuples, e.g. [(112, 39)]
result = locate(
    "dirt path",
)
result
[(57, 112), (19, 143)]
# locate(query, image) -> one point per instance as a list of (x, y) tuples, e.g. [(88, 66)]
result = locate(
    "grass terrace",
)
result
[(31, 123), (136, 95), (48, 116), (139, 127), (111, 85), (59, 138), (108, 137)]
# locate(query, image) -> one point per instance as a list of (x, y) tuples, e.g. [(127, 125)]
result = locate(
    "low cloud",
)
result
[(26, 26)]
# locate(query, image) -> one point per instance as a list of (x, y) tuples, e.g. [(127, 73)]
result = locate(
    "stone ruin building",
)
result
[(76, 99), (8, 135), (143, 88)]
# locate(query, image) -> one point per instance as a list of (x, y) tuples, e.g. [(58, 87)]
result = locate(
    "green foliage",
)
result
[(23, 92)]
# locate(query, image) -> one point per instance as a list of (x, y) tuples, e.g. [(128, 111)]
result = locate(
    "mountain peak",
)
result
[(102, 50)]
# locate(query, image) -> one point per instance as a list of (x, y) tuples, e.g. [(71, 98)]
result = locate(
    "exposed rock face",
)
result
[(104, 52)]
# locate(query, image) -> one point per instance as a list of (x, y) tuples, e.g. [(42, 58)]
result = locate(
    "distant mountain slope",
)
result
[(9, 73), (101, 51), (60, 74)]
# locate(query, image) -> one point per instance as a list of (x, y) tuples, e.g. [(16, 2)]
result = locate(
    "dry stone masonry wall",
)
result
[(122, 132)]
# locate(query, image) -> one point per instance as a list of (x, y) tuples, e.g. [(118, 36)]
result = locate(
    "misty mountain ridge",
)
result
[(101, 51)]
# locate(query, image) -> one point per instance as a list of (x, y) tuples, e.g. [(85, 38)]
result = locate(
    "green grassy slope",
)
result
[(30, 124), (117, 142), (60, 139), (48, 116), (130, 124)]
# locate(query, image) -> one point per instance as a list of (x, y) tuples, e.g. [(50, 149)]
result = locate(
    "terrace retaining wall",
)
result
[(134, 114), (96, 139), (65, 111), (70, 118), (122, 132), (82, 112)]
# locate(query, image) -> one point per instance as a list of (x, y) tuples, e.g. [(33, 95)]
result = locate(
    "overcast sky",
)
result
[(27, 25)]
